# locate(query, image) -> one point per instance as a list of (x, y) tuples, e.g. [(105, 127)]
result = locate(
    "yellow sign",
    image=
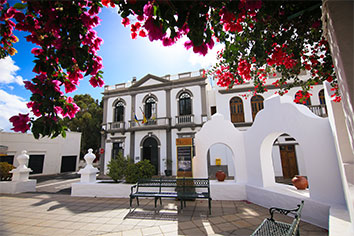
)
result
[(218, 161)]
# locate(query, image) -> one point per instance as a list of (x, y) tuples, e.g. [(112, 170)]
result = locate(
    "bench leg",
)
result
[(130, 201), (137, 200), (155, 201), (181, 204), (184, 203), (209, 207), (160, 201)]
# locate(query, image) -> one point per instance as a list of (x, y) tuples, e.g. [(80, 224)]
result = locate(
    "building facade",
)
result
[(46, 156), (143, 119)]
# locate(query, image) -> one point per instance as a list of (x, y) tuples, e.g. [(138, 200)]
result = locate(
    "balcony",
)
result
[(157, 123), (116, 126), (185, 119), (319, 110)]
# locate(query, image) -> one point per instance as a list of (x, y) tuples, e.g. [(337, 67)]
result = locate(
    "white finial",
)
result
[(24, 152), (90, 150)]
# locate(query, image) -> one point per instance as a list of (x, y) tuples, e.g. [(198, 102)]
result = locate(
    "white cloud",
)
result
[(8, 72), (207, 60), (10, 105)]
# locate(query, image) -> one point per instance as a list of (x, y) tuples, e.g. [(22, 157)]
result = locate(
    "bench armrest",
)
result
[(132, 188), (296, 211)]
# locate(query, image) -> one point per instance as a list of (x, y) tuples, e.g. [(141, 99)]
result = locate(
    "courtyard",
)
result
[(61, 214)]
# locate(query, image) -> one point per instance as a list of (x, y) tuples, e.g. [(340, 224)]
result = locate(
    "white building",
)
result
[(177, 106), (46, 156)]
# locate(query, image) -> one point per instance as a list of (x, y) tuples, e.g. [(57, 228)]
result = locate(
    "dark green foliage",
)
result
[(117, 167), (5, 168), (141, 170), (87, 121)]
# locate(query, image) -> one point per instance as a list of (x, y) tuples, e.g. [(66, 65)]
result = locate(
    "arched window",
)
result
[(150, 108), (306, 102), (256, 105), (185, 104), (321, 97), (236, 110), (119, 112)]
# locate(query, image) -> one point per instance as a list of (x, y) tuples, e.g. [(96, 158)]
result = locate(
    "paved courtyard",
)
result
[(59, 214)]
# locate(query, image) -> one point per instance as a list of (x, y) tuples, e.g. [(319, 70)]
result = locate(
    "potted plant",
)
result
[(168, 170)]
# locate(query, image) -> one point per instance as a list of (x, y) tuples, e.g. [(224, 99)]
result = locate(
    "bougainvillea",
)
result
[(261, 38), (66, 51)]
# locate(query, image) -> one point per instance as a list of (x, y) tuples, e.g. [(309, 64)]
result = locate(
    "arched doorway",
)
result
[(150, 152), (287, 159), (220, 157)]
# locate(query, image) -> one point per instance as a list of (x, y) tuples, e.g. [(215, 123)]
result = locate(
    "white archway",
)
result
[(314, 135), (219, 130)]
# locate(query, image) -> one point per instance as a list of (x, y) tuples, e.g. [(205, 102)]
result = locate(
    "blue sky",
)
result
[(122, 56)]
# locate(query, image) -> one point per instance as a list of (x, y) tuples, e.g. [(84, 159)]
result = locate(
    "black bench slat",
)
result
[(181, 188)]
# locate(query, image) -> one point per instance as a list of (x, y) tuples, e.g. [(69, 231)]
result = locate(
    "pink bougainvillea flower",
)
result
[(167, 41), (211, 43), (35, 108), (20, 123), (69, 86), (140, 17), (148, 9), (188, 44), (154, 29), (142, 33), (134, 35), (96, 82), (202, 49), (125, 21)]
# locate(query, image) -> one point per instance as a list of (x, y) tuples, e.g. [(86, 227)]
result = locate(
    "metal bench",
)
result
[(181, 188), (272, 227)]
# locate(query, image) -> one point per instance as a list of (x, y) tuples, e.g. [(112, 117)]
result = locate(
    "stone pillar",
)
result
[(88, 174), (20, 182), (21, 173)]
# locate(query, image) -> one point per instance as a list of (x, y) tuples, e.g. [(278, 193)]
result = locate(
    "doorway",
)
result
[(288, 161), (150, 152)]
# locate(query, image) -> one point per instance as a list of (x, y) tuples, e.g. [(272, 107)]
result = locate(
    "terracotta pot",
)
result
[(220, 175), (300, 182)]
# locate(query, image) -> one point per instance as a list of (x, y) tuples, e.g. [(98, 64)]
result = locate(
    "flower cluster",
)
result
[(66, 51)]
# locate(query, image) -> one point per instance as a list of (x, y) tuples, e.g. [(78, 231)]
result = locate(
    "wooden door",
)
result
[(236, 110), (288, 161)]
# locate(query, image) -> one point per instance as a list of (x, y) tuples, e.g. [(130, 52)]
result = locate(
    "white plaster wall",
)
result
[(52, 149), (127, 110), (196, 103), (314, 136), (219, 130), (278, 171)]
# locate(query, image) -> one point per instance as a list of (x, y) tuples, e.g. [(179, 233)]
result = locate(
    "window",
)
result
[(150, 108), (321, 97), (119, 112), (256, 105), (185, 104), (236, 110), (117, 147), (306, 102)]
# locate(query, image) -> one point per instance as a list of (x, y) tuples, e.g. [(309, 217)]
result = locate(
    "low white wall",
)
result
[(227, 190)]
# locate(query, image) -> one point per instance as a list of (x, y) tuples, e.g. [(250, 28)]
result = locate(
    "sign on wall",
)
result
[(184, 148)]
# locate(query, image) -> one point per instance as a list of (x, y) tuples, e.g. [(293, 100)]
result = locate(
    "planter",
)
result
[(220, 175), (168, 172), (300, 182)]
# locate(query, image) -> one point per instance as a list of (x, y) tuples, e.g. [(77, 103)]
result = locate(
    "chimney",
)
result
[(133, 80)]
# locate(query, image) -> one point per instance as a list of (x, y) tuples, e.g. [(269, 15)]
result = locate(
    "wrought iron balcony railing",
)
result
[(319, 110), (163, 121)]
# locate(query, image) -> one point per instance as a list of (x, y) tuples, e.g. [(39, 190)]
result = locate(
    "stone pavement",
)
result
[(58, 214)]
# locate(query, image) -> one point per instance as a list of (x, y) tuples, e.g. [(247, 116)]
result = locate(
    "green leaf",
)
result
[(20, 6)]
